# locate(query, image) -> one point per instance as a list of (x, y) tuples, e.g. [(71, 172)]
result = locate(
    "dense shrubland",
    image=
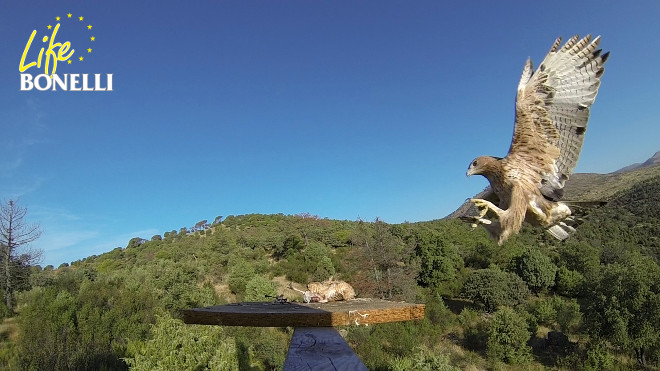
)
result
[(590, 303)]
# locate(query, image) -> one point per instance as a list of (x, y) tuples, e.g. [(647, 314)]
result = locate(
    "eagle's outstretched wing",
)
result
[(552, 110)]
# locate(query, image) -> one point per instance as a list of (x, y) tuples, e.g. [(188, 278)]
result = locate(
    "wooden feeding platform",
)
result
[(338, 313), (315, 345)]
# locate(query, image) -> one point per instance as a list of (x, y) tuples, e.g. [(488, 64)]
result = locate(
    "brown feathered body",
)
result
[(552, 111), (519, 199)]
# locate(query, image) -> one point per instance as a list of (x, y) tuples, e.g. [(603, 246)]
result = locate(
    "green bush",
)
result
[(177, 346), (440, 260), (536, 269), (569, 316), (475, 329), (545, 312), (4, 312), (240, 273), (437, 312), (423, 359), (507, 337), (557, 313), (493, 288), (260, 288), (568, 282), (324, 269), (598, 357)]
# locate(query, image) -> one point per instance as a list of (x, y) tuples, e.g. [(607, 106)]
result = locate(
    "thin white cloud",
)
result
[(25, 129), (68, 246), (48, 214), (53, 241), (8, 165), (16, 191)]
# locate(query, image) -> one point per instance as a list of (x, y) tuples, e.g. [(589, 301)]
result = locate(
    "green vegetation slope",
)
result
[(592, 302)]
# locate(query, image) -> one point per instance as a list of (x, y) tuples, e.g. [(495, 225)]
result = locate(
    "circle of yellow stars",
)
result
[(92, 38)]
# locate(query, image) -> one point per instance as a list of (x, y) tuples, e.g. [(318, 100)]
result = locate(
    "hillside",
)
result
[(533, 302), (591, 186), (654, 160), (596, 187)]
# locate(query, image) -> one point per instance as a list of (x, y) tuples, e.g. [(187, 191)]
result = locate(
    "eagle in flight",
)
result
[(552, 110)]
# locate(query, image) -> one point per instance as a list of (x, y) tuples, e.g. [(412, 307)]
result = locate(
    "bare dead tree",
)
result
[(15, 256), (384, 263)]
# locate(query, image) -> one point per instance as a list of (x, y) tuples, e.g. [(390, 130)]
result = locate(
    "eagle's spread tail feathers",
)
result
[(579, 210), (561, 231)]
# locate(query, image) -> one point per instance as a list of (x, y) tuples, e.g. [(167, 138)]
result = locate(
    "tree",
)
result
[(423, 359), (507, 337), (260, 288), (557, 313), (135, 242), (493, 288), (386, 265), (240, 273), (623, 304), (536, 269), (440, 261), (48, 331), (176, 346), (310, 226), (15, 235), (568, 282)]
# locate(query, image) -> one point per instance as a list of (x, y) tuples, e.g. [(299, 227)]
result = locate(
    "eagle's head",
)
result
[(483, 165)]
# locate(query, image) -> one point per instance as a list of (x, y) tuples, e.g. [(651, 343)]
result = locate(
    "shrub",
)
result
[(557, 313), (507, 337), (423, 359), (545, 312), (568, 315), (475, 330), (240, 273), (259, 288), (568, 282), (597, 357), (493, 288), (324, 269), (536, 269), (176, 346)]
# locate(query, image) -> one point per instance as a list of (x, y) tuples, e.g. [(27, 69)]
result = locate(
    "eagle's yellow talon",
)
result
[(482, 205)]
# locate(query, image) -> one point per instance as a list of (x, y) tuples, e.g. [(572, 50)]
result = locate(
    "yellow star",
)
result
[(81, 58), (89, 27), (93, 38), (57, 18), (81, 18), (89, 50), (68, 15), (68, 61), (49, 27)]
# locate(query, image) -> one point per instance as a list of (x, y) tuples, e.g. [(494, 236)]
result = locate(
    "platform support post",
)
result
[(320, 348)]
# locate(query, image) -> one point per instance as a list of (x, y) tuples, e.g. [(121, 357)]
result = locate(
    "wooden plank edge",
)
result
[(326, 319), (204, 316)]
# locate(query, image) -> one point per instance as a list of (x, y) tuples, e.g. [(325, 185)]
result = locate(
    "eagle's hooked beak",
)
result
[(471, 169)]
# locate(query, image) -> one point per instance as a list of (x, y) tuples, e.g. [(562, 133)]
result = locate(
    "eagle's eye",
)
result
[(474, 163)]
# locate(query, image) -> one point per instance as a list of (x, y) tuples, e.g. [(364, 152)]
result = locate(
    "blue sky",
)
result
[(343, 109)]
